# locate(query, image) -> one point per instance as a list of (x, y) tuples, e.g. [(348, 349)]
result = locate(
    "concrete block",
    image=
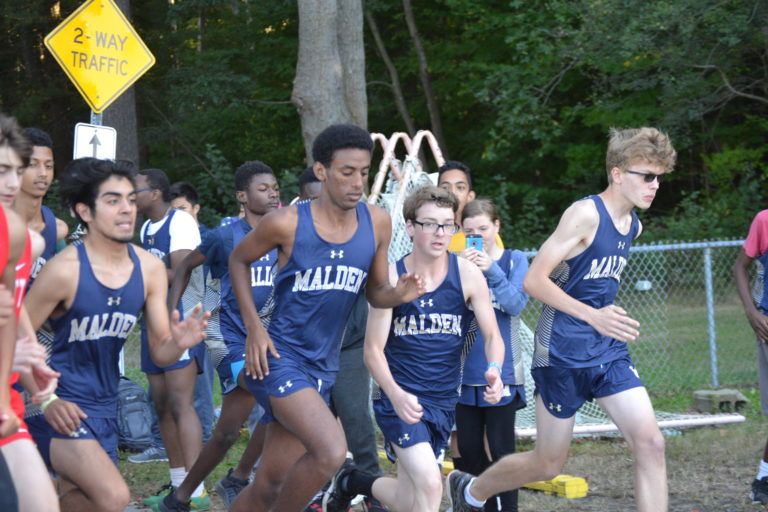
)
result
[(714, 401)]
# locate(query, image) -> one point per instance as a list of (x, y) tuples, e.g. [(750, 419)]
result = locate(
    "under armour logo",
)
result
[(622, 244), (337, 254), (288, 384), (404, 437), (634, 371), (424, 303), (78, 432), (113, 301), (554, 407)]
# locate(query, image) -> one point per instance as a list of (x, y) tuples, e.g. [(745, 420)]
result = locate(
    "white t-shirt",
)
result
[(185, 234), (183, 231)]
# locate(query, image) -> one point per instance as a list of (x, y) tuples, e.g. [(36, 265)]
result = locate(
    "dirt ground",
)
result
[(710, 470)]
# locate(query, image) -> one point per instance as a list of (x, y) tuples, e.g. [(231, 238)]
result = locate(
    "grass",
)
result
[(709, 468)]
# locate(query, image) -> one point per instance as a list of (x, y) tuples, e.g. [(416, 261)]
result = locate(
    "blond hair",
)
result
[(634, 145)]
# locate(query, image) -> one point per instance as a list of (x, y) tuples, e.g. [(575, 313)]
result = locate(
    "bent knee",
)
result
[(549, 467), (225, 438), (652, 445), (329, 458), (113, 498), (433, 488)]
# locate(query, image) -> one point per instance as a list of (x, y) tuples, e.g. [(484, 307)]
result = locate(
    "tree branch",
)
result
[(397, 90), (728, 85)]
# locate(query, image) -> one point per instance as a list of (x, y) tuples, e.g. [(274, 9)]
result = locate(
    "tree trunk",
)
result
[(329, 87), (426, 82), (121, 115)]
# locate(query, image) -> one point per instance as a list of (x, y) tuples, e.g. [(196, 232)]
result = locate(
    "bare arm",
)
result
[(168, 338), (35, 376), (406, 405), (61, 230), (379, 290), (276, 229), (175, 259), (573, 234), (181, 274), (757, 320)]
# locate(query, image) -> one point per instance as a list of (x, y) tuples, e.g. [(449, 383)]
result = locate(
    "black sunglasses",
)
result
[(648, 177)]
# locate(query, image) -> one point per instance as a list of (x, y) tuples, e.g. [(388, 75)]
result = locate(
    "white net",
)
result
[(391, 199)]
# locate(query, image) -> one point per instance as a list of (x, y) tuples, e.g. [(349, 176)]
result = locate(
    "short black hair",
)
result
[(245, 173), (38, 137), (339, 136), (450, 165), (157, 179), (81, 179), (307, 177), (186, 190), (11, 136)]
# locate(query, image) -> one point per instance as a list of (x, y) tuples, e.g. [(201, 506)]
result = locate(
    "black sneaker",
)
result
[(316, 505), (759, 494), (335, 498), (457, 482), (171, 504), (373, 505), (229, 487)]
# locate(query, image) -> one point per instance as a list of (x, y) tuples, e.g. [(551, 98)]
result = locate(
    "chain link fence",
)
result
[(693, 332)]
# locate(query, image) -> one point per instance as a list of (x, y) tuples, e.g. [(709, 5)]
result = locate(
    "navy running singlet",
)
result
[(232, 327), (427, 338), (49, 235), (315, 291), (89, 335), (591, 277)]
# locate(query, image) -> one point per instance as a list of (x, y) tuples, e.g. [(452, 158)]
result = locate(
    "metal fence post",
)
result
[(710, 316)]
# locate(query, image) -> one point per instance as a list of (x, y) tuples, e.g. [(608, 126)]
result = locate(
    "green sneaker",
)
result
[(201, 503), (158, 497)]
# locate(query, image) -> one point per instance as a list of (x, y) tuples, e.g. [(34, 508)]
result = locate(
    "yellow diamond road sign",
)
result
[(100, 52)]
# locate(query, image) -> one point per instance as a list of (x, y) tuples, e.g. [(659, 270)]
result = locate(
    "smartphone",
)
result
[(475, 241)]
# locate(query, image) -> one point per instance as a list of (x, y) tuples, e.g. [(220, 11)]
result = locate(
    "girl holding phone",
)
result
[(504, 270)]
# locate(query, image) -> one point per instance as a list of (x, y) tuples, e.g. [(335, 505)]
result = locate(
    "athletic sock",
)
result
[(199, 491), (763, 470), (471, 499), (177, 476), (359, 482), (458, 463)]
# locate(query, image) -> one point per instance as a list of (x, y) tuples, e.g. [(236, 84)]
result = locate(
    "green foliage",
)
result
[(527, 93), (216, 188)]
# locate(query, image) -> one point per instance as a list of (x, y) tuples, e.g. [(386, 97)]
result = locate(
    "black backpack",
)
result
[(134, 416)]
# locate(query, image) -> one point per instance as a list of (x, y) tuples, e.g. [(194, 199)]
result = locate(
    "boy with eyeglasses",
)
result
[(414, 353), (581, 352)]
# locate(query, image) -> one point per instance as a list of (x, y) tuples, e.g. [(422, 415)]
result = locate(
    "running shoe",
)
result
[(159, 495), (457, 482), (151, 454), (759, 494), (229, 487), (316, 505), (336, 498), (201, 502), (373, 505), (171, 504)]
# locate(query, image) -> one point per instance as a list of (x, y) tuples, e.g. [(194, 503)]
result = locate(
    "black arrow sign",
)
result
[(95, 143)]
